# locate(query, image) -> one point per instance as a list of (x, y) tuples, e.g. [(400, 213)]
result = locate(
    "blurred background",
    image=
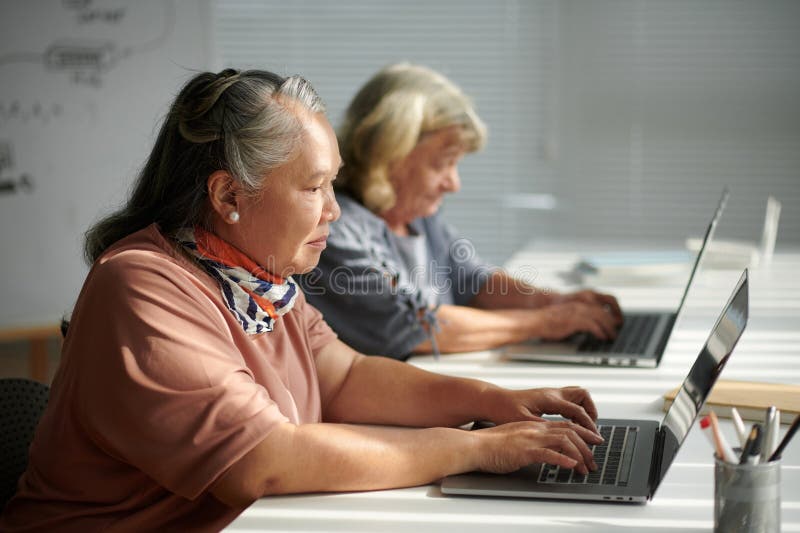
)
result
[(609, 120)]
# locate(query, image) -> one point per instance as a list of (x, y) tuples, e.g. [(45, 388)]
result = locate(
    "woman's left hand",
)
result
[(591, 297), (572, 403)]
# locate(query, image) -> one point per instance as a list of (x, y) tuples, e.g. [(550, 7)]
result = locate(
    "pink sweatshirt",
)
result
[(158, 393)]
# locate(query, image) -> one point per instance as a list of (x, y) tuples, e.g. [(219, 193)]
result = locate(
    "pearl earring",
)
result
[(234, 217)]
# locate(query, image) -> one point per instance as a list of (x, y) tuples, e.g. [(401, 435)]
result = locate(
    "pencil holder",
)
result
[(747, 497)]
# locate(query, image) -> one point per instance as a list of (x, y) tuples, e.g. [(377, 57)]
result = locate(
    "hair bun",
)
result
[(197, 122)]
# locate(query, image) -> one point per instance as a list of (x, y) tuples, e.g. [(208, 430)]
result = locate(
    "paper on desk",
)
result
[(634, 267), (727, 255)]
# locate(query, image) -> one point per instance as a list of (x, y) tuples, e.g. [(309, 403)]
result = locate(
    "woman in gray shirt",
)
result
[(395, 278)]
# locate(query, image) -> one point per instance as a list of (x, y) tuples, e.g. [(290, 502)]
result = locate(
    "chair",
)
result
[(22, 402)]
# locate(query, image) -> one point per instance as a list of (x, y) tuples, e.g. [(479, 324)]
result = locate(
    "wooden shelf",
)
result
[(37, 338)]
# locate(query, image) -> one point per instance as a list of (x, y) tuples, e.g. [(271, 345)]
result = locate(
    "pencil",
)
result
[(722, 445)]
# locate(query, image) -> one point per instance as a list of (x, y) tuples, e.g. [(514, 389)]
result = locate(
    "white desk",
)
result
[(768, 351)]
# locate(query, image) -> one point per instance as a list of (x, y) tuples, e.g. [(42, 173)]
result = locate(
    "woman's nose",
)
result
[(332, 209), (452, 181)]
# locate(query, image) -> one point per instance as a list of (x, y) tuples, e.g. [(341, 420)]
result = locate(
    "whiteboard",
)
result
[(83, 87)]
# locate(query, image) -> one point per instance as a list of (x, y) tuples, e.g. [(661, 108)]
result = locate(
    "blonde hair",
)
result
[(385, 121)]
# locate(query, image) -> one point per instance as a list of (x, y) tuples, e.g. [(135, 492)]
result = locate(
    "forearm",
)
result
[(466, 329), (379, 390), (376, 390), (503, 291), (334, 457)]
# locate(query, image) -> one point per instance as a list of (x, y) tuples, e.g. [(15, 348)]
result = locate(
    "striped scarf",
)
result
[(254, 296)]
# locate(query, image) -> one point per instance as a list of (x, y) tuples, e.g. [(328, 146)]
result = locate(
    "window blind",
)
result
[(664, 103), (500, 53), (632, 114)]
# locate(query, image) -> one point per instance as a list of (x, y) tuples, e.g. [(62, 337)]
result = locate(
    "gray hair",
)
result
[(245, 123)]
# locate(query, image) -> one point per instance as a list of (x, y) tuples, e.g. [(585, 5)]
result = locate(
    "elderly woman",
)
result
[(395, 279), (195, 377)]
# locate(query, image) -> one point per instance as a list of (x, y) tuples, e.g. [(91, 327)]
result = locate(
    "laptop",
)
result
[(641, 341), (636, 454)]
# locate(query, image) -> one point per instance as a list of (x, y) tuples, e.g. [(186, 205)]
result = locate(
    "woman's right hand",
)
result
[(509, 447), (558, 321)]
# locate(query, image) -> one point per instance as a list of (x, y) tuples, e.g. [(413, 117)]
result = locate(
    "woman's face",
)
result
[(285, 226), (426, 174)]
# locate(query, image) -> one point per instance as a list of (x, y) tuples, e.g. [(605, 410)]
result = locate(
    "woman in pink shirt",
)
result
[(195, 378)]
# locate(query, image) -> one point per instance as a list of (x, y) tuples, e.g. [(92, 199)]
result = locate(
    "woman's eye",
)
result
[(443, 164)]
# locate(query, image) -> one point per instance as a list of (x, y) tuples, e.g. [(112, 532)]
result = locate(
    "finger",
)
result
[(610, 322), (580, 396), (610, 304), (588, 323), (576, 413), (553, 457), (530, 416), (589, 297), (605, 321), (560, 441), (584, 399), (586, 435), (584, 296), (606, 302), (570, 432), (583, 448), (582, 317)]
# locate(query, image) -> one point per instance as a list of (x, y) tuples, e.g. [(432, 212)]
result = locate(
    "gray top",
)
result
[(377, 290), (414, 274)]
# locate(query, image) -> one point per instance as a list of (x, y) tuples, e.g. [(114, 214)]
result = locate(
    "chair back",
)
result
[(22, 402)]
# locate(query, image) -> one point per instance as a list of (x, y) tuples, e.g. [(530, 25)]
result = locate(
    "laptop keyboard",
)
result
[(631, 338), (613, 458)]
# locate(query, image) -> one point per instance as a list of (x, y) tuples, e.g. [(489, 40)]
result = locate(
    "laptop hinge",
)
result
[(655, 462)]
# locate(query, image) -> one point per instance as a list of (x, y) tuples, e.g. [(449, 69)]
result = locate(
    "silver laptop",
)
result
[(636, 454), (641, 341)]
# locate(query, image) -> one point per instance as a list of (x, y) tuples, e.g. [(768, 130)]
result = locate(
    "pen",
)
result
[(738, 423), (786, 438), (776, 432), (727, 453), (771, 421), (705, 425), (752, 448)]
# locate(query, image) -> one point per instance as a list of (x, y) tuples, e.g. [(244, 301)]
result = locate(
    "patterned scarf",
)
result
[(254, 296)]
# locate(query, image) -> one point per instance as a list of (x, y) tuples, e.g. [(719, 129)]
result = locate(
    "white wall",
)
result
[(79, 133), (632, 113)]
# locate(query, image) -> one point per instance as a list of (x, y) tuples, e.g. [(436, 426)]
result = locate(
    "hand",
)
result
[(589, 297), (509, 447), (573, 403), (561, 320)]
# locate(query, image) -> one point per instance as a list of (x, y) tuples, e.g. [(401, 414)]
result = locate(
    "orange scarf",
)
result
[(254, 296)]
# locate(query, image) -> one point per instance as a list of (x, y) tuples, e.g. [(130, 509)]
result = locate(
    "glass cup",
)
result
[(747, 497)]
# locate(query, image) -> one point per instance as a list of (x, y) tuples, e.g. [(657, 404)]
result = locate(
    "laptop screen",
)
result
[(712, 226), (696, 387)]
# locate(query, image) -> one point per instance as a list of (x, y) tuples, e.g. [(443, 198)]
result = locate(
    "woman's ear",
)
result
[(223, 195)]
